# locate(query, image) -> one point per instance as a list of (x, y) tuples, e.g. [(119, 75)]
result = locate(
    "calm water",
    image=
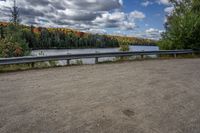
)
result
[(95, 50)]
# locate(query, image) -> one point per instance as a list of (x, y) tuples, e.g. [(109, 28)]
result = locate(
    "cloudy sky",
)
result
[(140, 18)]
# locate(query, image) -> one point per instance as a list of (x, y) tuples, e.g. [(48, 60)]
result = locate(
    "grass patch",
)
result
[(180, 56), (22, 67)]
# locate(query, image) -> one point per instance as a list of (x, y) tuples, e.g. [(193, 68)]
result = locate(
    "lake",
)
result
[(90, 50)]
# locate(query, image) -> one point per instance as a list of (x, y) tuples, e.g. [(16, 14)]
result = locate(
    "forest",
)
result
[(17, 40)]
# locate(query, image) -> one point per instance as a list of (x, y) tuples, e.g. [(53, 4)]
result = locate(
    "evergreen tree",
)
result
[(1, 32)]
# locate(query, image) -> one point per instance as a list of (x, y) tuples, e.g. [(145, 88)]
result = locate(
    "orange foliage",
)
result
[(82, 34), (18, 51), (4, 23)]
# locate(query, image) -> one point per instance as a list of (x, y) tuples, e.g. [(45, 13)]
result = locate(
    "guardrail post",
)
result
[(32, 64), (142, 56), (68, 62), (158, 55), (96, 60), (174, 55), (193, 53)]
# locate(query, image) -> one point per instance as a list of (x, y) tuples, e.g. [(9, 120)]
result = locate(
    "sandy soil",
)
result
[(160, 96)]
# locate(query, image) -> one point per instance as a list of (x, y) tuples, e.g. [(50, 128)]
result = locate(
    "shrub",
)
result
[(124, 46), (11, 49), (13, 45)]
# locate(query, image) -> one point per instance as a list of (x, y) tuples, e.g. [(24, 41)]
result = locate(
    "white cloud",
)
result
[(121, 2), (169, 10), (146, 3), (165, 2), (153, 33), (152, 30), (150, 2), (137, 15), (124, 21), (96, 31)]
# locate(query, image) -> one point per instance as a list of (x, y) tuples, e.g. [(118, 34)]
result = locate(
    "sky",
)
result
[(138, 18)]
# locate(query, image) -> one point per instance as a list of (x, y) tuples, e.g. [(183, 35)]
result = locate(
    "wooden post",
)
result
[(68, 62), (96, 60)]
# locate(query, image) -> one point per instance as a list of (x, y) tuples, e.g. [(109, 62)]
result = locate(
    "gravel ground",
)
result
[(159, 96)]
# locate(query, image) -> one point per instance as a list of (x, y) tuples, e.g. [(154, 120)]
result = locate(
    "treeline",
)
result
[(43, 38), (183, 26), (18, 40), (136, 41), (46, 38)]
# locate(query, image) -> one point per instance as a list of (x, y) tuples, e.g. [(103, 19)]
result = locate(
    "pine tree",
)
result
[(1, 32)]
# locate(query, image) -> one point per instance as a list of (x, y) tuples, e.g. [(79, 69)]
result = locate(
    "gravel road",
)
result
[(157, 96)]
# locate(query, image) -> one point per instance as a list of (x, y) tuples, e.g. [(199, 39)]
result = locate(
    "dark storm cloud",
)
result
[(59, 5), (79, 14), (95, 5), (30, 12), (38, 2)]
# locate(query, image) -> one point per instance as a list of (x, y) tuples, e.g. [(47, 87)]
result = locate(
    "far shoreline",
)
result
[(149, 45)]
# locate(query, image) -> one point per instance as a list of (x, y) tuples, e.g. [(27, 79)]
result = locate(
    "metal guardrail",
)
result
[(33, 59)]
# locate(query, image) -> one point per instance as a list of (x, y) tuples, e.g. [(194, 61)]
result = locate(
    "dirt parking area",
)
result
[(159, 96)]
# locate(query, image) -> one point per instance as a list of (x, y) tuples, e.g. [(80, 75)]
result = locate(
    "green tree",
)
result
[(29, 37), (44, 39), (183, 26), (1, 32), (196, 6)]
